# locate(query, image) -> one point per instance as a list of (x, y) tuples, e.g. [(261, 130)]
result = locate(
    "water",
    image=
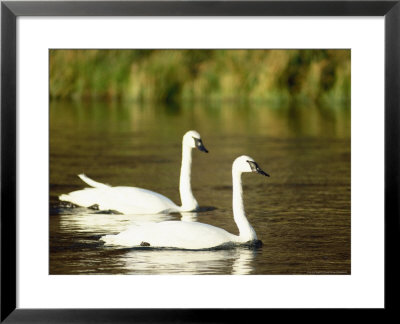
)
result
[(301, 213)]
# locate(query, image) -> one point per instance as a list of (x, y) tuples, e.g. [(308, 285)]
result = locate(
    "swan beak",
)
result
[(262, 172), (255, 168), (199, 145)]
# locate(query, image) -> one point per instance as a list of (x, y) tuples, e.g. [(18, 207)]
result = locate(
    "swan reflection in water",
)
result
[(189, 216), (162, 261), (110, 223), (107, 223)]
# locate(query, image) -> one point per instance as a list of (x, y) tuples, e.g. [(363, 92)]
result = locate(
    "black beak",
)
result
[(262, 172), (255, 168), (199, 144)]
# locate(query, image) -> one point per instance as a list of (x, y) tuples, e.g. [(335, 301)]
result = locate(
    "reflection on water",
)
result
[(98, 222), (301, 213), (189, 217), (189, 262)]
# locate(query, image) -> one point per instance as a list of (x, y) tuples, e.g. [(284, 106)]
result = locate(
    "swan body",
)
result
[(172, 234), (194, 235), (133, 200), (126, 200)]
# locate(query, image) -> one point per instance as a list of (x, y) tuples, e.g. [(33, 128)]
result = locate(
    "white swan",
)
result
[(194, 235), (132, 200)]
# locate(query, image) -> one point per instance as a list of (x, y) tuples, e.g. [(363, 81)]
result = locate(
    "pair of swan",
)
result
[(171, 234)]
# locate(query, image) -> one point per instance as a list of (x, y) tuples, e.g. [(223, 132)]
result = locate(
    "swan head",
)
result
[(245, 163), (193, 139)]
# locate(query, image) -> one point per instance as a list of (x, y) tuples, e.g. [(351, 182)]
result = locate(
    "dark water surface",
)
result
[(301, 213)]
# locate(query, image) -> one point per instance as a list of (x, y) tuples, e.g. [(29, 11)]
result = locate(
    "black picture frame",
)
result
[(10, 10)]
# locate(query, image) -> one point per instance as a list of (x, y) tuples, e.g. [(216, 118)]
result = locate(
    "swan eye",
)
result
[(255, 168), (253, 165)]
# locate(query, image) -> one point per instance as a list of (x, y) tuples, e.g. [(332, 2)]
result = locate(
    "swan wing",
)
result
[(127, 200), (172, 234)]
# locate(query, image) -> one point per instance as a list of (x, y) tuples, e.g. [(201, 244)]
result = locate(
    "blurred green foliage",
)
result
[(276, 76)]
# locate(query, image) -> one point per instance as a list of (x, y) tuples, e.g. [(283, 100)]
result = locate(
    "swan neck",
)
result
[(246, 231), (189, 203)]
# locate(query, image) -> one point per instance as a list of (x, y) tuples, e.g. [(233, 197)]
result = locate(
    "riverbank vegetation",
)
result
[(275, 76)]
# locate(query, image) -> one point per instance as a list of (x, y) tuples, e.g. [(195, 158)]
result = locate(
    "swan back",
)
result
[(127, 200), (172, 234)]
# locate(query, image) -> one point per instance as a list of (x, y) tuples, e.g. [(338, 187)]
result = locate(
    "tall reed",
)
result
[(279, 76)]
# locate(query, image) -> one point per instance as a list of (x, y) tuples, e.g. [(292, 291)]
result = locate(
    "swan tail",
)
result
[(64, 197), (72, 199), (91, 182), (109, 240)]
